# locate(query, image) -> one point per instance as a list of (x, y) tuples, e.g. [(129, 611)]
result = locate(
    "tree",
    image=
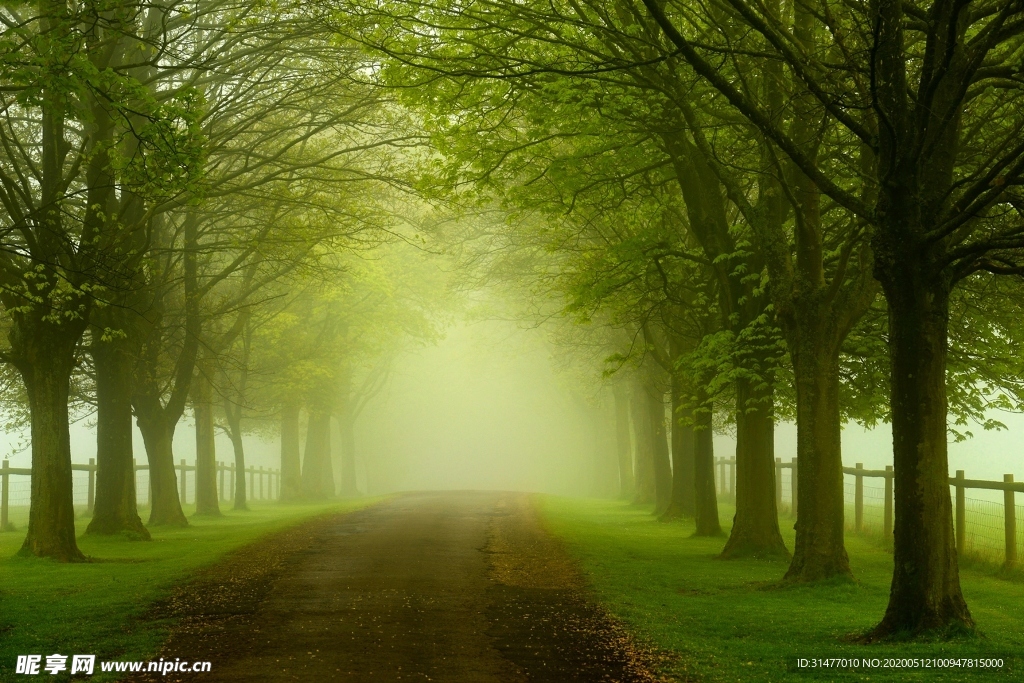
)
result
[(76, 126), (924, 91)]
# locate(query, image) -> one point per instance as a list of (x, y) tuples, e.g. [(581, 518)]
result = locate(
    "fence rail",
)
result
[(982, 541), (225, 476)]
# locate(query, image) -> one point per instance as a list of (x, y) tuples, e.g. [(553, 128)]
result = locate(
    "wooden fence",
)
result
[(726, 481), (258, 476)]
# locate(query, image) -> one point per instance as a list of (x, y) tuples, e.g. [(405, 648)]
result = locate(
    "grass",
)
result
[(731, 620), (47, 607)]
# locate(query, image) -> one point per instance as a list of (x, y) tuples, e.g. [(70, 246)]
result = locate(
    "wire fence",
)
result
[(985, 530)]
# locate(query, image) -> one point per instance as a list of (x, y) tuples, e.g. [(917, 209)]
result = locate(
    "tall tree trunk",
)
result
[(291, 481), (820, 552), (659, 437), (348, 455), (158, 435), (156, 420), (706, 503), (755, 528), (207, 498), (683, 499), (45, 362), (317, 475), (47, 325), (115, 508), (644, 438), (241, 501), (816, 315), (623, 447), (925, 592), (233, 414)]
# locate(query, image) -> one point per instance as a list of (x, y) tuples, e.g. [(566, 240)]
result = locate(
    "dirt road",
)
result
[(454, 587)]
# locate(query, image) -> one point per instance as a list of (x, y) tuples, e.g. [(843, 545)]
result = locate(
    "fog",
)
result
[(487, 407)]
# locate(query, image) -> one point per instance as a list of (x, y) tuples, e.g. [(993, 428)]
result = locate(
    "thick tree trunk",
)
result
[(317, 475), (706, 503), (820, 552), (624, 448), (348, 455), (755, 528), (115, 509), (644, 439), (291, 481), (165, 507), (659, 437), (45, 362), (683, 500), (925, 593), (207, 498)]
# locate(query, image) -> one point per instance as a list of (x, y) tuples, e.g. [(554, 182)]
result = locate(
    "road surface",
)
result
[(453, 587)]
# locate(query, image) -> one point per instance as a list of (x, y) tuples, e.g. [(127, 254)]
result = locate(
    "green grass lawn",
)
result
[(47, 607), (731, 620)]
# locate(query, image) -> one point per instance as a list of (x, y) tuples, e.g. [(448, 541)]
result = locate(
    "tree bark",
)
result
[(683, 499), (233, 414), (925, 593), (115, 509), (207, 498), (820, 551), (624, 448), (317, 475), (45, 362), (348, 455), (158, 435), (755, 528), (644, 439), (291, 481), (659, 437), (706, 503)]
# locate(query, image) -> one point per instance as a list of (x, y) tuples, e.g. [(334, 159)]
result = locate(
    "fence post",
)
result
[(1010, 512), (252, 487), (887, 523), (732, 479), (858, 500), (778, 485), (183, 489), (961, 514), (231, 481), (92, 483), (5, 483), (220, 481), (261, 482), (792, 486), (721, 477)]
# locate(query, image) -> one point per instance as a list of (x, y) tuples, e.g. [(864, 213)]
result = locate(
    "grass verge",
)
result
[(731, 621), (95, 608)]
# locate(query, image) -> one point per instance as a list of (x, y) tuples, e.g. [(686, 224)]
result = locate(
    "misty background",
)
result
[(488, 407)]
